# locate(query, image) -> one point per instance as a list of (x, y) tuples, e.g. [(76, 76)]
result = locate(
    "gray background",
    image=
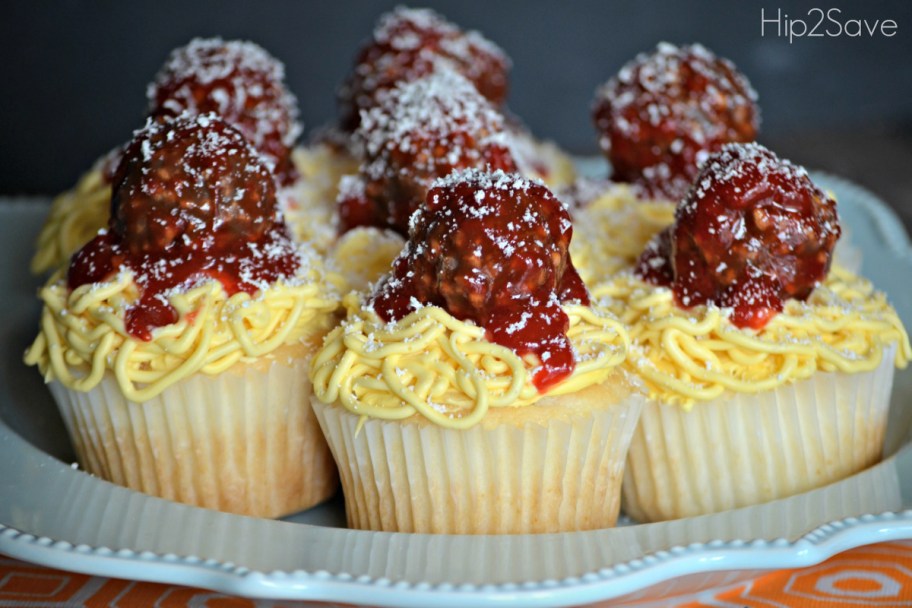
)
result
[(74, 73)]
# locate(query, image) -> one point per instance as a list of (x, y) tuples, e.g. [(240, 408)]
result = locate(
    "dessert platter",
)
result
[(425, 357)]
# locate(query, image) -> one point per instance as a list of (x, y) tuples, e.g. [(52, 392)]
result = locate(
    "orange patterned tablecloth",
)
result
[(876, 575)]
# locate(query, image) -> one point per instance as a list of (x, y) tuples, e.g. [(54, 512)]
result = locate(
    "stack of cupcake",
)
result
[(235, 321)]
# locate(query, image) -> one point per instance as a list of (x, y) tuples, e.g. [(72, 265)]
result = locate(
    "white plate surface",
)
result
[(54, 515)]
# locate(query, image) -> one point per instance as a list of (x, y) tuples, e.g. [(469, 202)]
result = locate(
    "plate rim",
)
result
[(605, 584)]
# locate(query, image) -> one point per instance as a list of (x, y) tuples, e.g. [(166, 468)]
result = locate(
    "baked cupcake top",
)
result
[(738, 294), (483, 308), (195, 272)]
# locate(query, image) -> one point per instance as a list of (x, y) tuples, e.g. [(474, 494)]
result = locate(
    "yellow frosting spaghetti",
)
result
[(611, 232), (434, 365), (74, 219), (542, 160), (693, 355), (83, 333), (362, 255), (309, 204)]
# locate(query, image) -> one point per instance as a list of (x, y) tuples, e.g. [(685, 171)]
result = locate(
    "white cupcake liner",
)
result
[(244, 441), (743, 449), (523, 474)]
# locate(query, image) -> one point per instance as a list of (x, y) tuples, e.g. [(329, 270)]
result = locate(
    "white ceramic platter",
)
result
[(55, 515)]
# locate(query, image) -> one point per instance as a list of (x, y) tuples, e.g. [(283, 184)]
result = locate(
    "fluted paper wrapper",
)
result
[(743, 449), (524, 474), (244, 441)]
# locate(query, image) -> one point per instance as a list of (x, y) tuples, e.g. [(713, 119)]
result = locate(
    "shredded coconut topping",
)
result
[(443, 106)]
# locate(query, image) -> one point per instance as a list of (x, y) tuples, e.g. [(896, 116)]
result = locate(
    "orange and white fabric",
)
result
[(872, 576), (875, 575)]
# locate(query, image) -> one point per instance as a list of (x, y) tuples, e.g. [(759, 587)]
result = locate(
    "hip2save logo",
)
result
[(823, 24)]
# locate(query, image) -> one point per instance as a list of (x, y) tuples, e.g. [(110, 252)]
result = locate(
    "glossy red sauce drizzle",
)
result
[(665, 111), (191, 201), (239, 266), (492, 249)]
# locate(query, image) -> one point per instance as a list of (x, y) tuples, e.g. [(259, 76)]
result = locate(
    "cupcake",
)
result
[(768, 371), (475, 389), (177, 342)]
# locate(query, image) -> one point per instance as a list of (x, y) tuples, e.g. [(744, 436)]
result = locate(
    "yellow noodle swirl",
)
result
[(542, 160), (693, 355), (74, 219), (612, 231), (364, 254), (83, 333), (444, 369)]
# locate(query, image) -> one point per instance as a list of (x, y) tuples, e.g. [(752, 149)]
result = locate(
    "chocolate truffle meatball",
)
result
[(408, 44), (753, 231), (424, 130), (665, 112), (240, 82), (484, 242), (186, 181)]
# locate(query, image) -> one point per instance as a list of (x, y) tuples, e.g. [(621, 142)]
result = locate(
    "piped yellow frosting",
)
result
[(611, 231), (83, 333), (436, 366), (309, 205), (690, 355), (74, 219)]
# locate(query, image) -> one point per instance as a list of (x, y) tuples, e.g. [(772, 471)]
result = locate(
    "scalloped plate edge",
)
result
[(608, 583)]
